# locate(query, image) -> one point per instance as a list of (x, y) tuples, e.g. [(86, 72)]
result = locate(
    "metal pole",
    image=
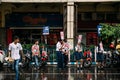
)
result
[(95, 54), (45, 42)]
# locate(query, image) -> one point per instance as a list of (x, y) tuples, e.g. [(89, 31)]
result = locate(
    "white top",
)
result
[(66, 47), (35, 49), (78, 48), (2, 55), (58, 46), (15, 49)]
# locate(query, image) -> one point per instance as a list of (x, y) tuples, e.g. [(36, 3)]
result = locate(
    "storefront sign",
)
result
[(33, 20)]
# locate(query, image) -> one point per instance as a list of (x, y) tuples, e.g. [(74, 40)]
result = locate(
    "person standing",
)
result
[(36, 53), (15, 49), (60, 58), (100, 55), (66, 51), (79, 55)]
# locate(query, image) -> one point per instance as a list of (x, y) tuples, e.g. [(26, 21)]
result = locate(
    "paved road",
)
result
[(70, 73)]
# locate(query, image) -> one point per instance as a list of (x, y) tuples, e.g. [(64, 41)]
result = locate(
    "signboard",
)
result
[(79, 38), (46, 30), (33, 19), (62, 35), (99, 27)]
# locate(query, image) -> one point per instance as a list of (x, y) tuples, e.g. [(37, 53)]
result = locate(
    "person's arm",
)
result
[(21, 51), (32, 49), (9, 51), (22, 54), (76, 49), (38, 51)]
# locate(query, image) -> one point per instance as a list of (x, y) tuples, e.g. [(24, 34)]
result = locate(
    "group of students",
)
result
[(62, 50)]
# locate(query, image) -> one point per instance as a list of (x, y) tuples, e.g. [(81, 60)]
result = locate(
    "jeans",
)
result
[(15, 67), (36, 61), (60, 59)]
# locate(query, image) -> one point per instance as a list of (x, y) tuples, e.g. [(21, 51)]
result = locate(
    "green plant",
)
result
[(110, 32)]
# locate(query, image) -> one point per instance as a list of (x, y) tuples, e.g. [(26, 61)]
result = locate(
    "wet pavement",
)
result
[(70, 73)]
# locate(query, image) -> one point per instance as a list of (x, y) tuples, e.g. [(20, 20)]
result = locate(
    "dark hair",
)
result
[(65, 40), (59, 39), (36, 40), (16, 37)]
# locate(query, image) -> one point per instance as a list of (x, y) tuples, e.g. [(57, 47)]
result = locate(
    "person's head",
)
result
[(59, 40), (36, 42), (16, 39)]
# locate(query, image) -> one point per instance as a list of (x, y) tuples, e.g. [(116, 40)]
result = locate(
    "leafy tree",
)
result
[(111, 32)]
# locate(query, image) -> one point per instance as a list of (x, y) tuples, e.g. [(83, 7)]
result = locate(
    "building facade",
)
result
[(26, 18)]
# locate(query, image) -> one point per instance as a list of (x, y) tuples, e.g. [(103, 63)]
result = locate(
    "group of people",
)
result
[(16, 52), (62, 50), (81, 55)]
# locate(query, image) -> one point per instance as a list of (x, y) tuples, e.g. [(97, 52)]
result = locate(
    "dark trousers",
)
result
[(60, 59), (1, 65), (65, 60)]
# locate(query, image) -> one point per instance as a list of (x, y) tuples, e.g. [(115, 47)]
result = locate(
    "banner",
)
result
[(79, 38), (62, 35), (99, 27)]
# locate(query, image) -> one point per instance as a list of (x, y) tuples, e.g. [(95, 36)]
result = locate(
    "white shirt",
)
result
[(66, 47), (58, 46), (78, 48), (35, 49), (2, 55), (15, 49)]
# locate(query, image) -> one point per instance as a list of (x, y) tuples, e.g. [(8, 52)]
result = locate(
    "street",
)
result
[(71, 73)]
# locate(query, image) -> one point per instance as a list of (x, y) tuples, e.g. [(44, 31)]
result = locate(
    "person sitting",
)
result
[(87, 54)]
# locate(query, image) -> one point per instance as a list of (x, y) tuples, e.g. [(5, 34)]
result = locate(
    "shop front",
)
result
[(29, 26)]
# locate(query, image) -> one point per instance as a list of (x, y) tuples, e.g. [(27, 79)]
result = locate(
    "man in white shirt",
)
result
[(15, 49)]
